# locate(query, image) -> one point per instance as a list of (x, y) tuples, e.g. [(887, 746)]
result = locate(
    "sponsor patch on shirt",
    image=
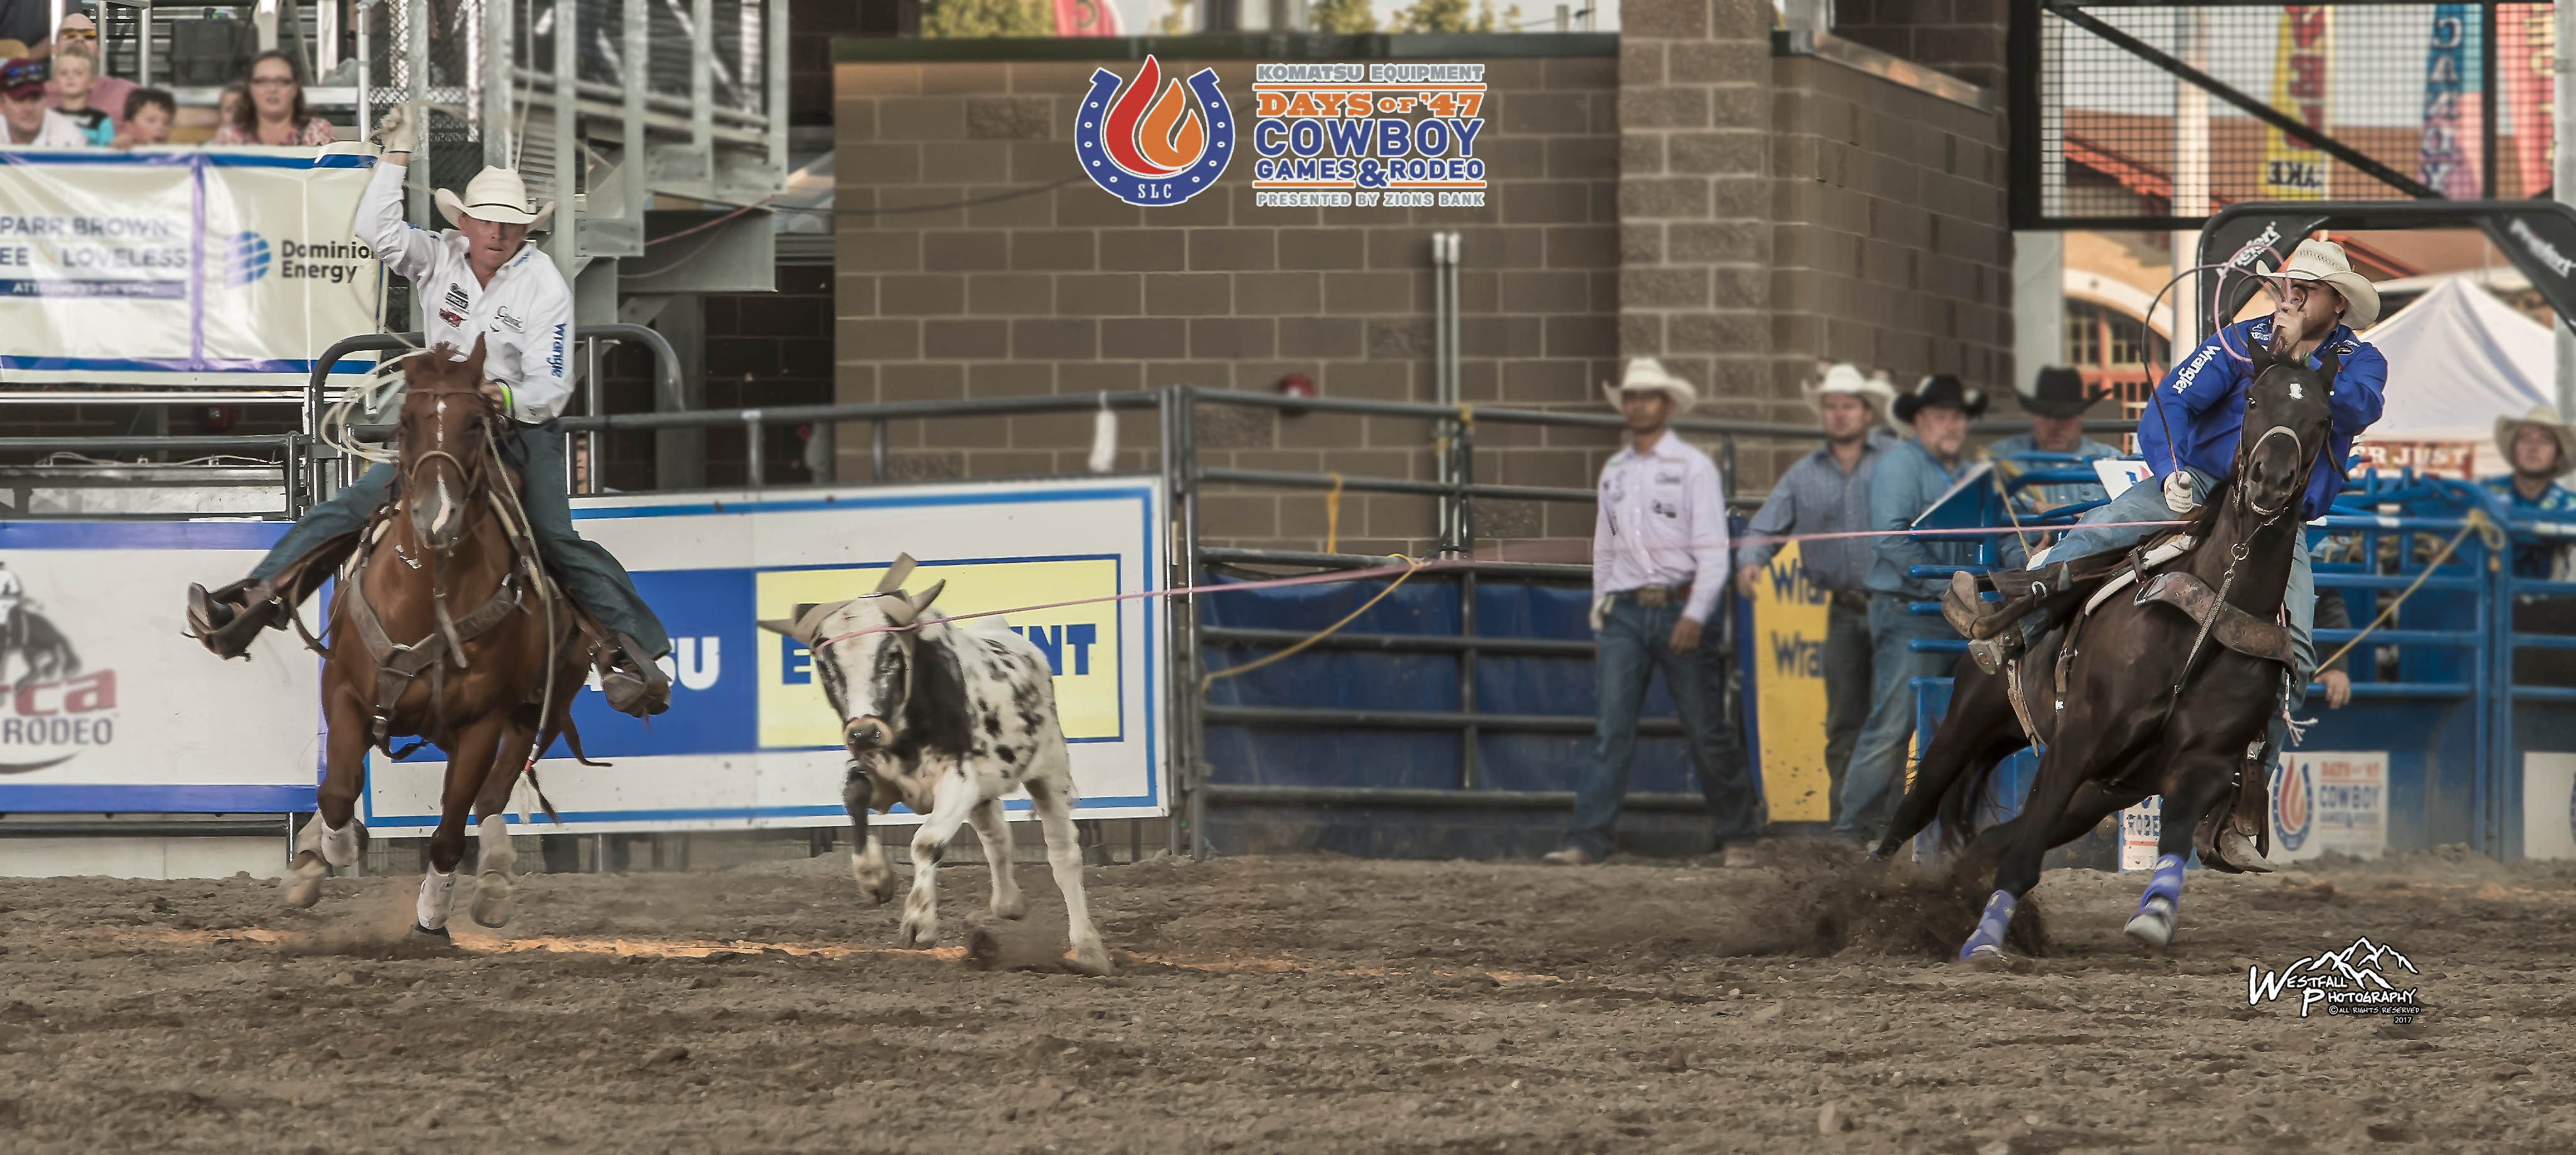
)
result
[(509, 322), (456, 298), (451, 318)]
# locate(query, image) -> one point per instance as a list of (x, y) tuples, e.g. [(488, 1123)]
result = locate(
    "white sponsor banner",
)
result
[(2330, 800), (182, 266), (2141, 833), (2548, 805), (108, 709), (749, 740)]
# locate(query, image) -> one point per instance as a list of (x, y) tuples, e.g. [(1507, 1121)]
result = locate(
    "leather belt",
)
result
[(1656, 597), (1854, 600)]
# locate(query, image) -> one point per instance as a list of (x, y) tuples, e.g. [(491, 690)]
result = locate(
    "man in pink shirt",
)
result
[(1659, 567), (106, 93)]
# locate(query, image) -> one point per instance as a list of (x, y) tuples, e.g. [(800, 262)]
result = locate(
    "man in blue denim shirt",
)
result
[(1910, 476), (2056, 405)]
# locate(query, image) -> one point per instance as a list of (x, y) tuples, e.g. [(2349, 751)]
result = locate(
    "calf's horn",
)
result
[(896, 574)]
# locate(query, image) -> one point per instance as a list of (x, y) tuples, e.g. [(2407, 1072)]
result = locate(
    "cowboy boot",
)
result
[(228, 619), (634, 684)]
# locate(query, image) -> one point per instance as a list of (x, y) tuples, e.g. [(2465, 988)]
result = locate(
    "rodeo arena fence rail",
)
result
[(1424, 725)]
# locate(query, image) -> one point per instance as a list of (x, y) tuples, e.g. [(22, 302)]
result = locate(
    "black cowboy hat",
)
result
[(2060, 392), (1941, 389)]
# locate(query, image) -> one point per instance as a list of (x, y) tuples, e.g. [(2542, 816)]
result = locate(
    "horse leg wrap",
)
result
[(1988, 942), (437, 897), (2153, 925), (340, 845)]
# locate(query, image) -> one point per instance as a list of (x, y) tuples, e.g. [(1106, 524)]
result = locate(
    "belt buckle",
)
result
[(1653, 597)]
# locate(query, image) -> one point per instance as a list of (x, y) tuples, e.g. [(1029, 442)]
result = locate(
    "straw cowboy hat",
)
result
[(2316, 260), (1648, 373), (2545, 417), (2060, 392), (496, 195), (1941, 389), (1846, 378)]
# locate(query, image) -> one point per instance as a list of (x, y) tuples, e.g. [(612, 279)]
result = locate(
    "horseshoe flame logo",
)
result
[(1156, 143)]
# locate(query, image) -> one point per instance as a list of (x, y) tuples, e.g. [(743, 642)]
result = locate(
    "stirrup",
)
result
[(1992, 653), (1962, 605)]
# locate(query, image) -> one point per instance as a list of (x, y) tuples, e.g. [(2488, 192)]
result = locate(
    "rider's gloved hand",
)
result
[(2178, 492), (498, 395), (395, 132)]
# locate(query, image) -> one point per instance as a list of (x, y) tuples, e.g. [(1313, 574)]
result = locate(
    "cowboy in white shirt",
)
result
[(1659, 566), (478, 281)]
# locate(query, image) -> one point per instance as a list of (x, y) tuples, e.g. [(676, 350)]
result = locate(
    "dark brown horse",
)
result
[(440, 631), (2164, 688)]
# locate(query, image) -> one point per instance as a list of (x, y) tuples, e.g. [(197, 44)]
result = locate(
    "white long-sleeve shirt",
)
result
[(524, 315), (1662, 522)]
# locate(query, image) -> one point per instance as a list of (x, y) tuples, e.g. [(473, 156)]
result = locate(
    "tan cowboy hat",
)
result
[(496, 195), (1648, 373), (2316, 260), (1846, 378), (2546, 417)]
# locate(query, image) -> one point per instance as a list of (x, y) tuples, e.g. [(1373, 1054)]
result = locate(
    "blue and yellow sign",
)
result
[(1789, 613), (1080, 642)]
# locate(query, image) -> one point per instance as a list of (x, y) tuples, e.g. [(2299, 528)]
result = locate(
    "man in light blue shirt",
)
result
[(2056, 406)]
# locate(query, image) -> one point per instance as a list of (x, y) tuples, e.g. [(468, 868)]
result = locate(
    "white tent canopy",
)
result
[(2457, 360)]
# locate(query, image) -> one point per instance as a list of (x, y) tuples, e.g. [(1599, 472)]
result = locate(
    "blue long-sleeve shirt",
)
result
[(2203, 401), (1904, 483)]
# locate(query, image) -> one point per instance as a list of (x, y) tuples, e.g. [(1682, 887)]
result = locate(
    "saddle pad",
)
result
[(2161, 554)]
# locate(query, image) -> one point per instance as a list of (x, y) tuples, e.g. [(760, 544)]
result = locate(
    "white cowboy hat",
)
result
[(2316, 260), (2546, 417), (1846, 378), (496, 195), (1648, 373)]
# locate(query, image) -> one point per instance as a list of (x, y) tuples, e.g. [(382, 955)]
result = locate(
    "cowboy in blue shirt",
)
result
[(2189, 436), (2539, 450)]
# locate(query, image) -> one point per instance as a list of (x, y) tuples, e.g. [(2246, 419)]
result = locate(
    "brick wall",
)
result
[(1964, 38), (1070, 291), (1692, 198)]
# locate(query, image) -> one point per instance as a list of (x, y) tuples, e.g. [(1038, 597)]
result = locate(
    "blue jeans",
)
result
[(1878, 759), (588, 573), (1636, 641), (2145, 501), (1847, 694)]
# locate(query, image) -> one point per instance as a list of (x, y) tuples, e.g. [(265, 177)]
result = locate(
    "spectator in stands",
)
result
[(2541, 450), (232, 104), (149, 113), (107, 93), (2056, 404), (1909, 478), (1659, 566), (75, 77), (28, 123), (275, 113), (1828, 492)]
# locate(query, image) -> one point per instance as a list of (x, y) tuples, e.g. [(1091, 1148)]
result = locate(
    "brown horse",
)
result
[(449, 567)]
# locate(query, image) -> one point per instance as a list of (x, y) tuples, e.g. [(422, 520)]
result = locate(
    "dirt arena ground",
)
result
[(1279, 1004)]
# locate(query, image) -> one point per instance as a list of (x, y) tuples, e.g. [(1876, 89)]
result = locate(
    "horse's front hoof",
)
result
[(492, 907), (1984, 956), (2153, 925), (304, 882)]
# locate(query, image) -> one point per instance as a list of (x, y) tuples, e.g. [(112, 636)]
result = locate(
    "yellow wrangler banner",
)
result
[(2291, 170), (182, 267), (1080, 642), (1788, 688)]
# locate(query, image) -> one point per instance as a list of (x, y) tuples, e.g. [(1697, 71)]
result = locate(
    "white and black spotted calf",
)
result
[(946, 718)]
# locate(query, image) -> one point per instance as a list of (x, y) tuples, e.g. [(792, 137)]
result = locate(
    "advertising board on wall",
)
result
[(182, 267), (104, 707), (750, 742)]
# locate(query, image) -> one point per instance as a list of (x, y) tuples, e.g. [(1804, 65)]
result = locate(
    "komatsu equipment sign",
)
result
[(1368, 135)]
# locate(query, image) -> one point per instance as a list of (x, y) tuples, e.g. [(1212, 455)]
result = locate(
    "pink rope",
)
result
[(1417, 567)]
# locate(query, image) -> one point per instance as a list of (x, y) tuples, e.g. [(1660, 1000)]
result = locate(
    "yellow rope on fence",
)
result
[(1411, 566), (1333, 515), (2477, 523)]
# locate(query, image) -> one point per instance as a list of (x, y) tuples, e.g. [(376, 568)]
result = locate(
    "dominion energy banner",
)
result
[(173, 267)]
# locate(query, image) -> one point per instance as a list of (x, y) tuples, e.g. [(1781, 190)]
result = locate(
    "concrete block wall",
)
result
[(1676, 191), (1964, 38), (1067, 290)]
